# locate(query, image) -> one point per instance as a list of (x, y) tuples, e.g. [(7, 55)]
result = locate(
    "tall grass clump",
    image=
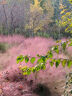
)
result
[(3, 47)]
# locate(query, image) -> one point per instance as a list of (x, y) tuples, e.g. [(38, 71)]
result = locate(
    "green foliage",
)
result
[(42, 60), (26, 70), (57, 62), (52, 62), (64, 62), (26, 59), (40, 63), (42, 34), (50, 54), (32, 60), (69, 63), (3, 47), (64, 45), (56, 48), (3, 30), (20, 58)]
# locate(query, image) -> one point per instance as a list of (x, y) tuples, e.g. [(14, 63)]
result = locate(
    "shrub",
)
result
[(3, 47), (42, 61)]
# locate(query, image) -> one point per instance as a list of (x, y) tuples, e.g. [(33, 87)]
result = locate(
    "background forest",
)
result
[(33, 18)]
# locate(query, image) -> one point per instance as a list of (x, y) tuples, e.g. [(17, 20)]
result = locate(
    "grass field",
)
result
[(53, 78)]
